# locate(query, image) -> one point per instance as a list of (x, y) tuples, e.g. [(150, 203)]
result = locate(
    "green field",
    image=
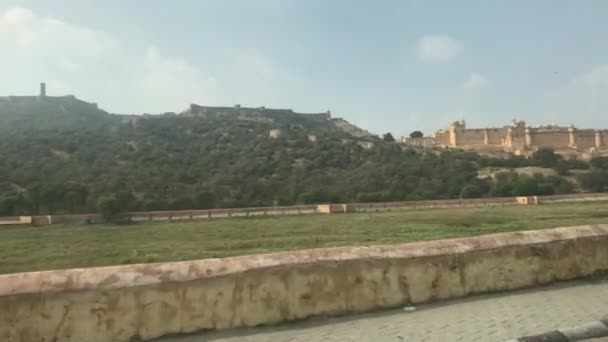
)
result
[(53, 247)]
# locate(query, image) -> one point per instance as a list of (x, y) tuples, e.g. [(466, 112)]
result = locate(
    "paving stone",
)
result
[(497, 317)]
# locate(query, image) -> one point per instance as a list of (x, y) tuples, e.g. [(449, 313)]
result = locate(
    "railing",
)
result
[(218, 213), (476, 202)]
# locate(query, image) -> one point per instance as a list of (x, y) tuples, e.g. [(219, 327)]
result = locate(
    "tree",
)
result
[(204, 200), (13, 204), (470, 191), (34, 194), (546, 157), (600, 163), (595, 180), (75, 197), (388, 137), (314, 197), (187, 162), (108, 207), (416, 134), (125, 200), (526, 186), (52, 195)]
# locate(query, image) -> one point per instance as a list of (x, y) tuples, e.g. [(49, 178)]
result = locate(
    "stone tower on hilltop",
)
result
[(42, 90)]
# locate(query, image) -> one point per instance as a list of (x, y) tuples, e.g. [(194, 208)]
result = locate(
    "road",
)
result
[(496, 317)]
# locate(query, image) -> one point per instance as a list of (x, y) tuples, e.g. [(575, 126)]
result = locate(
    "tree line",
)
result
[(178, 162)]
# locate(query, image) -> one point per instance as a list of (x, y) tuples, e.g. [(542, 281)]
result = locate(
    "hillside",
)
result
[(64, 155), (23, 113)]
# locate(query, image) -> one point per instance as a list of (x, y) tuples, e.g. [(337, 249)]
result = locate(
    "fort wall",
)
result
[(237, 109), (469, 137), (550, 139), (419, 142), (584, 139), (516, 137), (601, 138), (495, 136), (442, 138)]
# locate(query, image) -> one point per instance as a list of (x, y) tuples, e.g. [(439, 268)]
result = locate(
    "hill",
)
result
[(65, 155)]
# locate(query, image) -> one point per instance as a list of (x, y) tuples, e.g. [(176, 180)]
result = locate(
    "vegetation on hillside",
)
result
[(62, 158)]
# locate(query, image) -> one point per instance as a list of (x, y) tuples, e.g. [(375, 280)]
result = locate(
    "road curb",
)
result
[(579, 333)]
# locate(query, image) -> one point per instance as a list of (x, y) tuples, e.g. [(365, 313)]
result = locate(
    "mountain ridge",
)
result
[(61, 154)]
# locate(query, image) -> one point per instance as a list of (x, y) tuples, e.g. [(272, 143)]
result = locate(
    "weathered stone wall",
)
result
[(496, 136), (420, 142), (584, 139), (237, 109), (442, 138), (557, 139), (124, 303), (601, 138), (469, 137), (517, 137)]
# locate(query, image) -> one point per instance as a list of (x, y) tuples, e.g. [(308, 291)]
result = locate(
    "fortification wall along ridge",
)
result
[(142, 302), (517, 137), (197, 110)]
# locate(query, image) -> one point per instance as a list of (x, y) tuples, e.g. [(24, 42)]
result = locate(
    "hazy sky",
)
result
[(384, 65)]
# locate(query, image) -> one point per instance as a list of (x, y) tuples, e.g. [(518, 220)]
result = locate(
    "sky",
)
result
[(386, 65)]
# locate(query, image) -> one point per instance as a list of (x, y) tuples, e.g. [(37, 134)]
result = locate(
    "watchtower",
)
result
[(42, 89)]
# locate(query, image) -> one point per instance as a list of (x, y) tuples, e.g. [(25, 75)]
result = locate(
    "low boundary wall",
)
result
[(141, 302), (180, 215), (15, 220)]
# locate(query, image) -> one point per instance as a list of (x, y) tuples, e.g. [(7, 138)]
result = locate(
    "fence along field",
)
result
[(181, 215)]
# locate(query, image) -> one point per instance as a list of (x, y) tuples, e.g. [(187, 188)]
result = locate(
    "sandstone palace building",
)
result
[(517, 137)]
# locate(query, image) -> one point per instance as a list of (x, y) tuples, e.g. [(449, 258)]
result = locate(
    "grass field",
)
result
[(53, 247)]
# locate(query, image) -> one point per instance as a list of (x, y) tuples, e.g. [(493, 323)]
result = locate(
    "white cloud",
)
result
[(255, 63), (33, 34), (90, 62), (170, 84), (475, 81), (584, 97), (438, 48)]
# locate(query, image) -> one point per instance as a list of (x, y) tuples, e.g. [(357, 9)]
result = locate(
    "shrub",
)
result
[(108, 206), (470, 191)]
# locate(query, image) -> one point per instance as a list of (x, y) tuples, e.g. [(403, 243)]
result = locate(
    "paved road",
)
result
[(483, 318)]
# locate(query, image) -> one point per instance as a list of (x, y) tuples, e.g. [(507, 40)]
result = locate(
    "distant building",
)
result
[(43, 97), (516, 137)]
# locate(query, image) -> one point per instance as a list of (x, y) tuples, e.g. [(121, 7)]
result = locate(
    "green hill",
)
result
[(62, 155)]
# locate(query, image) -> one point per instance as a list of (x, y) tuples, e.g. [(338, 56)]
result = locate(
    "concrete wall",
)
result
[(335, 208), (15, 220), (527, 200), (124, 303)]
